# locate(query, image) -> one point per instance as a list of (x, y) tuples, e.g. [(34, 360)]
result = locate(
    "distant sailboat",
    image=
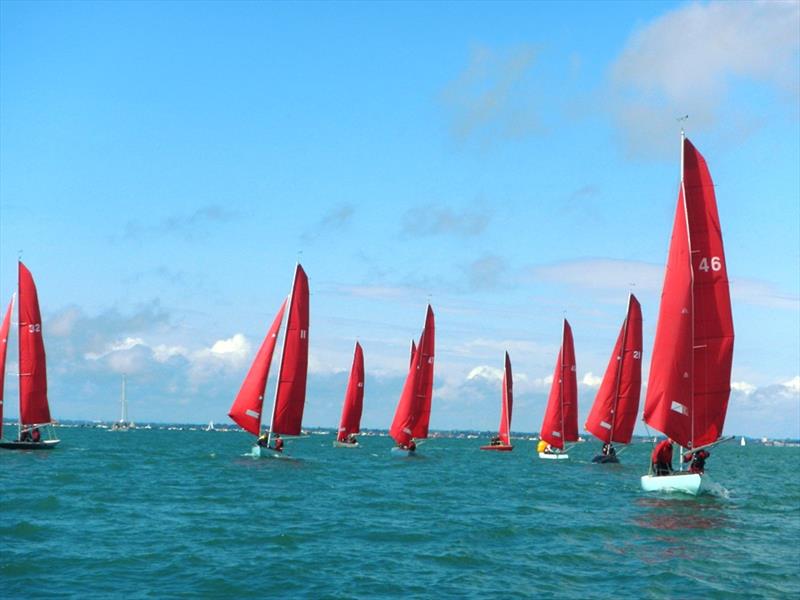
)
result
[(413, 413), (123, 424), (34, 410), (502, 442), (743, 442), (689, 385), (210, 426), (290, 390), (353, 403), (613, 414), (560, 424)]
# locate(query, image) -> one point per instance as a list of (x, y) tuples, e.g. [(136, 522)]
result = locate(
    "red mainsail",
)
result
[(4, 330), (689, 384), (248, 406), (508, 400), (414, 407), (290, 395), (413, 350), (616, 405), (560, 422), (32, 362), (353, 397)]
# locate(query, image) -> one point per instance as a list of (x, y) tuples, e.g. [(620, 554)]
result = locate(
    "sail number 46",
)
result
[(715, 264)]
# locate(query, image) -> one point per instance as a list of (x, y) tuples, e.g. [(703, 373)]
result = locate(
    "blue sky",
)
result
[(162, 165)]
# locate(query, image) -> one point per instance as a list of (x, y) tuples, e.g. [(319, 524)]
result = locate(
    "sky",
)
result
[(163, 166)]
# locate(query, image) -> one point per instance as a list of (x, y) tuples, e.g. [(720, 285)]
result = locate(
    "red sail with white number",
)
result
[(613, 414), (33, 406), (290, 395), (560, 422), (504, 431), (413, 409), (248, 406), (5, 328), (689, 384), (353, 398)]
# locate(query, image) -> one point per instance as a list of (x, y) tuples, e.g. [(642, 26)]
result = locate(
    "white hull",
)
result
[(337, 444), (551, 456), (685, 483), (262, 452)]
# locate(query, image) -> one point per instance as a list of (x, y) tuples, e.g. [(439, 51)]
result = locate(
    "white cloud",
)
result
[(686, 61), (793, 385), (602, 274), (743, 386), (590, 380), (485, 372), (543, 382)]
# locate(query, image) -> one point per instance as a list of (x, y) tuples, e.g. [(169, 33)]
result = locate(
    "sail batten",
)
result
[(693, 349)]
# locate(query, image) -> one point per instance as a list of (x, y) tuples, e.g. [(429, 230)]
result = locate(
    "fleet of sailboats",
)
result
[(560, 424), (502, 443), (350, 424), (616, 406), (689, 384), (290, 389), (413, 413), (34, 409)]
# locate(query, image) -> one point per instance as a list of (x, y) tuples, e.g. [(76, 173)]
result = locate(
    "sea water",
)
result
[(157, 514)]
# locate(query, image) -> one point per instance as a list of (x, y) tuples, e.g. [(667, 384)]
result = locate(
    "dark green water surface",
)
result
[(158, 514)]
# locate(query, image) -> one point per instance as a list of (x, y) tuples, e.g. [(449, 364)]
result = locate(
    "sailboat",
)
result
[(560, 424), (616, 405), (123, 424), (502, 443), (743, 442), (34, 411), (290, 389), (413, 413), (353, 403), (689, 384)]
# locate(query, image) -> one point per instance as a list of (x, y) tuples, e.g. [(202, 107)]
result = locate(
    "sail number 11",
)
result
[(715, 264)]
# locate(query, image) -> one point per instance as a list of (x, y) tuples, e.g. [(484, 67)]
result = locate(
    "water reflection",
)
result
[(679, 513)]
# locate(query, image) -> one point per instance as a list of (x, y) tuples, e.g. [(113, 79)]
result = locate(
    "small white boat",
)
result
[(743, 442), (554, 455), (337, 444), (264, 452), (684, 482), (402, 452)]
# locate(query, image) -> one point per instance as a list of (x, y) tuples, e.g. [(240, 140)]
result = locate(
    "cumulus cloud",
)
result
[(743, 386), (686, 61), (591, 380), (793, 385), (485, 372)]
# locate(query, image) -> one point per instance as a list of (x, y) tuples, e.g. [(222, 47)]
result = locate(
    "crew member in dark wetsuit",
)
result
[(278, 443), (496, 441), (662, 458), (608, 450), (25, 436), (698, 461), (263, 440)]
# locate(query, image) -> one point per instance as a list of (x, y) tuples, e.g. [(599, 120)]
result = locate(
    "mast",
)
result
[(691, 286), (283, 354), (561, 383), (124, 418)]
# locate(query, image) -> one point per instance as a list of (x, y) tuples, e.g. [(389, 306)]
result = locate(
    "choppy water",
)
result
[(166, 513)]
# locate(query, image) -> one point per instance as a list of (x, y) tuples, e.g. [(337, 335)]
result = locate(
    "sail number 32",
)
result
[(715, 264), (34, 327)]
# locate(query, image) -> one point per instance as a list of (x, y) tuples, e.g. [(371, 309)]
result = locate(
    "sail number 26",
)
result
[(715, 264)]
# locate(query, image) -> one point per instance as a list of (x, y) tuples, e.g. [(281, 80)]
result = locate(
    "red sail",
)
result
[(426, 345), (413, 350), (32, 363), (248, 405), (689, 385), (508, 401), (413, 409), (613, 414), (560, 422), (353, 397), (4, 329), (290, 396)]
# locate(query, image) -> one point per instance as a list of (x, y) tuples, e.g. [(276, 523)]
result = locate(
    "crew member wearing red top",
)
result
[(698, 461), (662, 458), (278, 443)]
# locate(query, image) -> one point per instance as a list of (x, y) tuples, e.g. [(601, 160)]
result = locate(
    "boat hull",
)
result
[(551, 456), (498, 448), (263, 452), (602, 459), (45, 445), (693, 484), (338, 444), (402, 452)]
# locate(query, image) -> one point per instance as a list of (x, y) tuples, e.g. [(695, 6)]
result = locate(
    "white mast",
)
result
[(124, 402)]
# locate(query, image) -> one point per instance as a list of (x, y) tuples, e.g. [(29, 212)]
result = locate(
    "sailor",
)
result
[(496, 441), (351, 438), (278, 443), (263, 440), (608, 450), (36, 435), (662, 458), (698, 459), (543, 447), (25, 435), (412, 446)]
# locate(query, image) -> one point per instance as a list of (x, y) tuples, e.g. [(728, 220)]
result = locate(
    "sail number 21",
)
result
[(715, 264)]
